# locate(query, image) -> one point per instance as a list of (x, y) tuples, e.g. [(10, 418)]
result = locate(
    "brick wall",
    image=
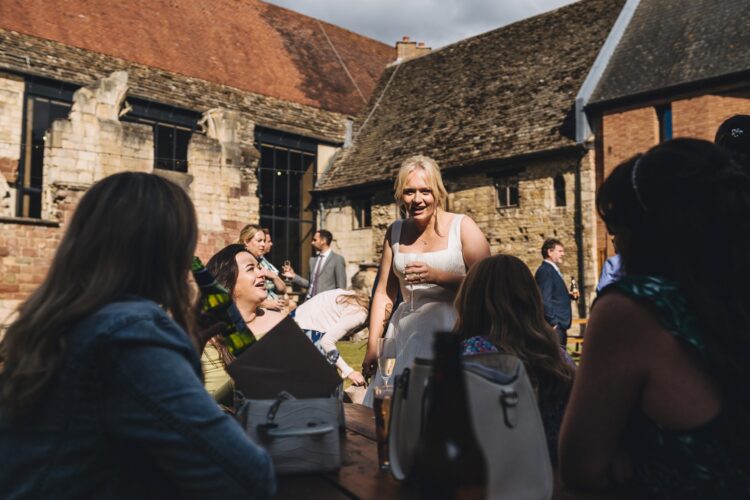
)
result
[(701, 116), (630, 132)]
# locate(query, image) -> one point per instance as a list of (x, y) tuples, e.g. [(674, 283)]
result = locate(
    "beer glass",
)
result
[(382, 406)]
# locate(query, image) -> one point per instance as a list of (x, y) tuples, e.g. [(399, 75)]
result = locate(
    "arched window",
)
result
[(559, 185)]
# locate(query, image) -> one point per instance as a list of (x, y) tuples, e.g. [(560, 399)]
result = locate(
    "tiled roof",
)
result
[(505, 93), (36, 56), (245, 44), (675, 42)]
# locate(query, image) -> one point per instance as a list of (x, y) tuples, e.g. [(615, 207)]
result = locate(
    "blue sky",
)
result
[(435, 22)]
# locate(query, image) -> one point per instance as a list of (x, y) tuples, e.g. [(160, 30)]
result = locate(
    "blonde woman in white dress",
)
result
[(427, 256)]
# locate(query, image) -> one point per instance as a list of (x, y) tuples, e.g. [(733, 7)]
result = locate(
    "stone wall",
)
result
[(518, 231), (354, 244), (91, 144), (11, 121)]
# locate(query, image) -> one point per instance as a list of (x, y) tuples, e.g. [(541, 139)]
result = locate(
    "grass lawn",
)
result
[(353, 353)]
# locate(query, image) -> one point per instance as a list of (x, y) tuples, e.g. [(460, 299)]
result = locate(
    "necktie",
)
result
[(314, 286)]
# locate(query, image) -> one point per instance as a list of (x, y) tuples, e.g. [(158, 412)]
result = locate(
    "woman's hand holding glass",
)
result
[(418, 272), (287, 272)]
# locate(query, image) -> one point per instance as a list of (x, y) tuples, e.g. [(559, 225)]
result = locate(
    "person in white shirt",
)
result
[(331, 315)]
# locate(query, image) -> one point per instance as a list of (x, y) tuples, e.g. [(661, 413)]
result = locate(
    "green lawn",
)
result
[(353, 353)]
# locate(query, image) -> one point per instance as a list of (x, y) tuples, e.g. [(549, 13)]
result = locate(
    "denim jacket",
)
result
[(128, 417)]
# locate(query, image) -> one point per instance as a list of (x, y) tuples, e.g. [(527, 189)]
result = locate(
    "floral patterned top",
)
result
[(678, 464), (551, 411)]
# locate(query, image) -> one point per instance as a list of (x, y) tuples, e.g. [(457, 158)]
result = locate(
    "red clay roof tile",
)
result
[(246, 44)]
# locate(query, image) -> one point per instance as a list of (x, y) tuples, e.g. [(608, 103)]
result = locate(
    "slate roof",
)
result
[(245, 44), (670, 43), (26, 54), (502, 94)]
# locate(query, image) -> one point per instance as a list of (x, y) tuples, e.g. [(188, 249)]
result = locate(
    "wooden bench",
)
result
[(575, 339)]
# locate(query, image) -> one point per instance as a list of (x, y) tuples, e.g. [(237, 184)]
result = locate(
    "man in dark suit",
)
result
[(555, 294), (327, 268)]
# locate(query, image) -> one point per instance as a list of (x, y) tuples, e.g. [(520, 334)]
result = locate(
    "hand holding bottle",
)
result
[(574, 292)]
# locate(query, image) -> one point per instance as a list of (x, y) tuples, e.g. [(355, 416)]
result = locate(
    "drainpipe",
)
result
[(578, 235), (583, 128)]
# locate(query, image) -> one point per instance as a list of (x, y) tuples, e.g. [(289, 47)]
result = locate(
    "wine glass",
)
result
[(386, 358), (408, 259), (285, 268)]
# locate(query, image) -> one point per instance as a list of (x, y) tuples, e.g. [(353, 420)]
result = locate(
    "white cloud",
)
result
[(435, 22)]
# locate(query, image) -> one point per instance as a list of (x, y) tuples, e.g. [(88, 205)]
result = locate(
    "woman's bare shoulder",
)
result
[(621, 319)]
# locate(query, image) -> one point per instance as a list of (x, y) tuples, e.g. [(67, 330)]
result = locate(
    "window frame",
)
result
[(281, 221), (559, 190), (664, 116), (507, 185), (361, 213), (164, 116), (55, 92)]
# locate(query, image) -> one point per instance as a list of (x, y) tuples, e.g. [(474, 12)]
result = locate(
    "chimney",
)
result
[(406, 49), (422, 50)]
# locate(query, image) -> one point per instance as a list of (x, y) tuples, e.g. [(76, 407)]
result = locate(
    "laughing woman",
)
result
[(426, 256)]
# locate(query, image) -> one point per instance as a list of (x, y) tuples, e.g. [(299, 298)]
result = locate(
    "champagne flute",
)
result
[(285, 268), (386, 358), (408, 259)]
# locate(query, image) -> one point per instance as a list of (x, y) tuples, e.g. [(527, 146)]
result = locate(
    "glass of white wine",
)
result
[(386, 358), (408, 259)]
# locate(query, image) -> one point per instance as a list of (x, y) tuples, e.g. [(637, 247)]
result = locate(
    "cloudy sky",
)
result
[(435, 22)]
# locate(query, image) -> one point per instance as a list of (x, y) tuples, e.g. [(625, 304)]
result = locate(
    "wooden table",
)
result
[(360, 476)]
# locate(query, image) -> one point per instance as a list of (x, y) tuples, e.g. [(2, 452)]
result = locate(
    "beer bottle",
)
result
[(573, 285), (448, 463), (217, 303)]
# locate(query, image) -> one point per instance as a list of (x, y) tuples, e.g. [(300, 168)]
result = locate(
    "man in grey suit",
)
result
[(327, 269)]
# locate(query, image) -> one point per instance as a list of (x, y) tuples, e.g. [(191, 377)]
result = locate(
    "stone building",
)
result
[(675, 69), (241, 102), (497, 112)]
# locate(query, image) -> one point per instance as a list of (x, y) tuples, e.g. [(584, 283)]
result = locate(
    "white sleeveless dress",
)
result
[(433, 304)]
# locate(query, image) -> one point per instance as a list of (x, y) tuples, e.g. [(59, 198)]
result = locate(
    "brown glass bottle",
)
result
[(448, 463)]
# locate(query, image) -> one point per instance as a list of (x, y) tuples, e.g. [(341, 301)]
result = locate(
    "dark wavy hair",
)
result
[(684, 215), (223, 265), (131, 234), (500, 299)]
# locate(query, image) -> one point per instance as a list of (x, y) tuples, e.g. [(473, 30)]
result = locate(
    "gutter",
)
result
[(583, 128), (491, 165)]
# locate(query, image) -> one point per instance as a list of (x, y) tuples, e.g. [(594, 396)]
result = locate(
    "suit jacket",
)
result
[(554, 296), (332, 275)]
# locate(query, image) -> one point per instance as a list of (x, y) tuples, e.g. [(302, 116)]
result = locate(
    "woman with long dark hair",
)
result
[(661, 399), (100, 383), (500, 309), (240, 272)]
